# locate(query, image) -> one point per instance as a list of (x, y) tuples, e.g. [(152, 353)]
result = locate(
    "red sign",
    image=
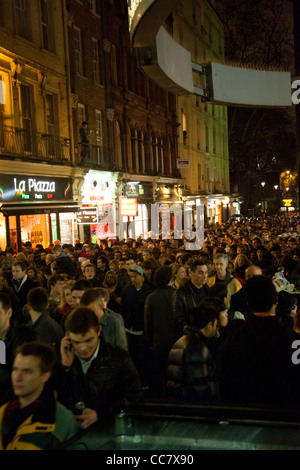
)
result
[(128, 207)]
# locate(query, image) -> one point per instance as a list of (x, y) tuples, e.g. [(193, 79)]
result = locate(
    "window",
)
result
[(26, 112), (22, 19), (95, 60), (114, 68), (133, 140), (93, 6), (2, 17), (2, 105), (99, 128), (81, 114), (206, 139), (50, 116), (214, 141), (78, 51), (47, 26), (141, 154)]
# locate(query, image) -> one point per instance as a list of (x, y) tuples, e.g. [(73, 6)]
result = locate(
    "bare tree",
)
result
[(259, 34)]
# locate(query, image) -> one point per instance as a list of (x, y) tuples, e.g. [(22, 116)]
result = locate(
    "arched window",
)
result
[(141, 151), (133, 143)]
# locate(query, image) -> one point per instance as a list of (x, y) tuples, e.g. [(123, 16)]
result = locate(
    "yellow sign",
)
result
[(287, 202)]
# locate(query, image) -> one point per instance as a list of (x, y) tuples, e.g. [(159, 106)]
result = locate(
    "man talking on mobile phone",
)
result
[(97, 374)]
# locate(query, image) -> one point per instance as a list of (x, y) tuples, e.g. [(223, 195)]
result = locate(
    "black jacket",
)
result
[(24, 289), (184, 300), (132, 306), (111, 379), (159, 320), (256, 365), (191, 369)]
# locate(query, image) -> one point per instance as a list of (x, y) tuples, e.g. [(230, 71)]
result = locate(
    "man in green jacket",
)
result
[(33, 419)]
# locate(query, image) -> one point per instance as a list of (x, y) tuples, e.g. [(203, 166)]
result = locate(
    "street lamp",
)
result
[(276, 197), (263, 200)]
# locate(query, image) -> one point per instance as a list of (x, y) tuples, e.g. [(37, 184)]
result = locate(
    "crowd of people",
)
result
[(89, 326)]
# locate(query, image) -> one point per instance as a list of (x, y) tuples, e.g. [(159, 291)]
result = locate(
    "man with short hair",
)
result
[(238, 301), (93, 371), (46, 328), (33, 419), (132, 310), (13, 336), (89, 272), (21, 282), (111, 322), (222, 276), (55, 285), (190, 294)]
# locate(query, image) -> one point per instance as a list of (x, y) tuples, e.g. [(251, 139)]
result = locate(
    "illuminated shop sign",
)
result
[(87, 215), (133, 189), (128, 207), (24, 189)]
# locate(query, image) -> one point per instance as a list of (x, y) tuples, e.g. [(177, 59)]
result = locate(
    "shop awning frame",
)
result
[(11, 209)]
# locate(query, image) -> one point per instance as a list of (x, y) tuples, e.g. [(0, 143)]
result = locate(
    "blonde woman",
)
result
[(240, 264), (179, 274), (67, 302)]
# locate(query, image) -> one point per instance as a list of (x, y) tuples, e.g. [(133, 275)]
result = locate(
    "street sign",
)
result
[(87, 215)]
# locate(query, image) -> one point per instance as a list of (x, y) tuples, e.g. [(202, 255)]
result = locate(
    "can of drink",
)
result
[(79, 407)]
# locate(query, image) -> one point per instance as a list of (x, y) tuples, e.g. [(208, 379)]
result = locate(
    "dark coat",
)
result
[(24, 289), (111, 379), (191, 369), (256, 366), (184, 300), (159, 320), (132, 306)]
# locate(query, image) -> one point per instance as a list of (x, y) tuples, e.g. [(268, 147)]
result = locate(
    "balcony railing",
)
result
[(18, 142), (95, 156)]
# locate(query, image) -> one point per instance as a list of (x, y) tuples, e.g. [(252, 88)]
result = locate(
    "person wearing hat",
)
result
[(132, 310)]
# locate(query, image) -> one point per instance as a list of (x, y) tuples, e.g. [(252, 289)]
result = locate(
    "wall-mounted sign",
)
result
[(27, 189), (183, 163), (133, 189), (128, 207), (87, 215)]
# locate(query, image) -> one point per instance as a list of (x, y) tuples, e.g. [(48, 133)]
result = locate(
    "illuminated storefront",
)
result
[(135, 210), (38, 209), (98, 192)]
